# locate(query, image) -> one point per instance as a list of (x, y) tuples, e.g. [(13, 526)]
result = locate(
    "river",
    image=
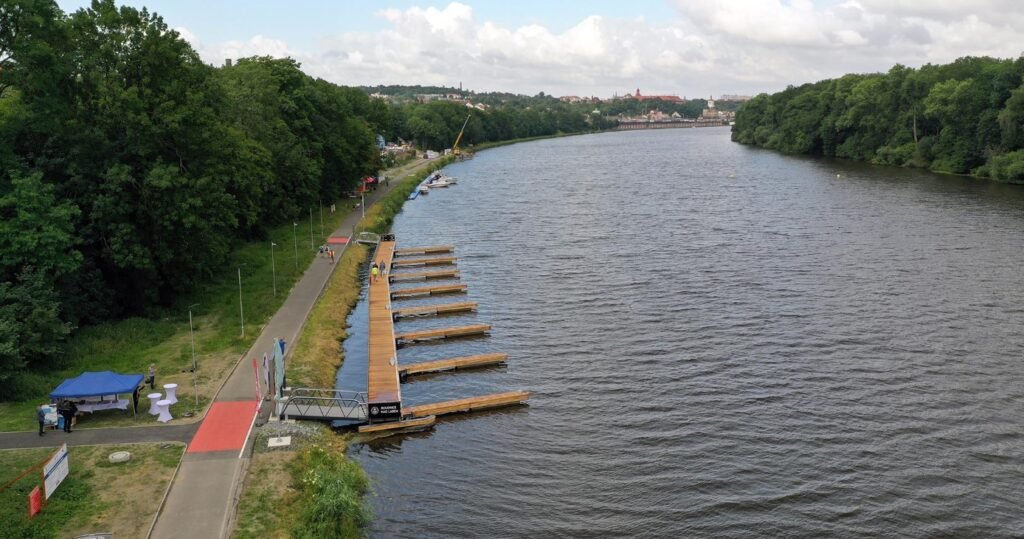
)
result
[(721, 341)]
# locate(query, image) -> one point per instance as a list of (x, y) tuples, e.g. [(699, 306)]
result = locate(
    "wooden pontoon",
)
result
[(451, 364), (437, 249), (443, 333), (436, 261), (444, 308), (424, 275), (470, 404), (428, 290)]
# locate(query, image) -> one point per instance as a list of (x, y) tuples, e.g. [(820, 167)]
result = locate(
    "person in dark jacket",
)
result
[(68, 410), (41, 416)]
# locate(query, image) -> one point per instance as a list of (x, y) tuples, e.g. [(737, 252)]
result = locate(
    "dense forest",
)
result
[(966, 117), (130, 169)]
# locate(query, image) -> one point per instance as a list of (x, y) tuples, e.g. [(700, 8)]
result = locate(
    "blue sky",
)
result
[(682, 47)]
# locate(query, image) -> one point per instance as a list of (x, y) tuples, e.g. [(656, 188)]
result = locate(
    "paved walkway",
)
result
[(203, 495), (124, 435)]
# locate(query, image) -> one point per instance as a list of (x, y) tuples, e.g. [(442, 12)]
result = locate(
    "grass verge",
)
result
[(97, 496), (313, 491)]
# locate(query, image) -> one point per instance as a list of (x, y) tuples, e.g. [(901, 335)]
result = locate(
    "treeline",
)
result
[(963, 117), (130, 169), (435, 125)]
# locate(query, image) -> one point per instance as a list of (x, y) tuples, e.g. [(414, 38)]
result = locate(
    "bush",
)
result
[(332, 489), (1007, 168)]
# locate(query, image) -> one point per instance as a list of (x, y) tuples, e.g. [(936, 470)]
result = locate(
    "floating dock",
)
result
[(437, 249), (399, 427), (384, 395), (435, 261), (443, 333), (424, 275), (451, 364), (445, 308), (428, 290), (484, 402)]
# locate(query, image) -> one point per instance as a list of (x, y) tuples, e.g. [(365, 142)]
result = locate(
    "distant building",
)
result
[(666, 98)]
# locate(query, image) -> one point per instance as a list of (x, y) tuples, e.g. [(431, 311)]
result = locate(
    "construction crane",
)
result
[(455, 147)]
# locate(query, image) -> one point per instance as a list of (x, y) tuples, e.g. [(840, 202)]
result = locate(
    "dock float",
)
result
[(436, 261), (452, 364), (437, 249), (399, 427), (470, 404), (384, 395), (443, 333), (444, 308), (424, 275), (428, 290)]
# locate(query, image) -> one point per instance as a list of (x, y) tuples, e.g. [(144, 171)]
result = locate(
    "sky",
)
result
[(690, 48)]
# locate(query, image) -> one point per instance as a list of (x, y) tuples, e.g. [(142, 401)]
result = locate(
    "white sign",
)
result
[(55, 470)]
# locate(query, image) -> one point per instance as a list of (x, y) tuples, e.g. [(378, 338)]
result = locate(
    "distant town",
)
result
[(629, 109)]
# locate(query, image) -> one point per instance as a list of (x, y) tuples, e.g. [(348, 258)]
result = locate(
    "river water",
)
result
[(721, 341)]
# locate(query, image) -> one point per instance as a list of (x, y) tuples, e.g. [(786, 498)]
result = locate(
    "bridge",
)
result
[(630, 125)]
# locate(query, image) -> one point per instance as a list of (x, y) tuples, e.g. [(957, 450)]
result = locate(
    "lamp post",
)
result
[(322, 219), (311, 247), (192, 337), (295, 238), (362, 203), (273, 267), (241, 312)]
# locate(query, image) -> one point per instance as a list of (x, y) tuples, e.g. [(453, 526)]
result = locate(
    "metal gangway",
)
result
[(323, 404)]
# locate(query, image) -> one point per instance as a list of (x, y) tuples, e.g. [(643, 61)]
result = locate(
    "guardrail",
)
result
[(324, 404)]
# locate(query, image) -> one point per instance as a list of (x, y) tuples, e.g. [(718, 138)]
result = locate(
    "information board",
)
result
[(55, 470)]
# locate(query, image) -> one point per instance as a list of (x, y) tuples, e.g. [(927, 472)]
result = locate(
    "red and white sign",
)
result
[(35, 502)]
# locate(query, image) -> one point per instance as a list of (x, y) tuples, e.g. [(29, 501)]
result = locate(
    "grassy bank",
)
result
[(313, 491), (319, 353), (162, 338), (97, 496)]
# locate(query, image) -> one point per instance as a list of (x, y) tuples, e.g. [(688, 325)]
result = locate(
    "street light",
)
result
[(192, 337), (322, 218), (311, 228), (362, 203), (295, 237), (273, 267), (241, 312)]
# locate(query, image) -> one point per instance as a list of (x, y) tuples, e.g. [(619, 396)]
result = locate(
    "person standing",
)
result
[(374, 271), (41, 416), (383, 268), (151, 376), (68, 411)]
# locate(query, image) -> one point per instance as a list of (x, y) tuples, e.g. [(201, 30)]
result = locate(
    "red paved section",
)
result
[(224, 428), (337, 240)]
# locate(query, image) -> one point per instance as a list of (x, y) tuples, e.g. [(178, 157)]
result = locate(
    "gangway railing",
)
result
[(324, 404)]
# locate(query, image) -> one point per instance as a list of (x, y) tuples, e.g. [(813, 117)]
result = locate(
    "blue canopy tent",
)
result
[(97, 384)]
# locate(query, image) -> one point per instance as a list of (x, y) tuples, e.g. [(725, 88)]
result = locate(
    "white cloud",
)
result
[(735, 46)]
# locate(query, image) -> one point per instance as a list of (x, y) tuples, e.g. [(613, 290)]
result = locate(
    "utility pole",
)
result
[(273, 267), (241, 312)]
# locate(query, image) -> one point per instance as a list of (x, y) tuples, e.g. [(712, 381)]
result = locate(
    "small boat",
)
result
[(424, 189), (442, 182)]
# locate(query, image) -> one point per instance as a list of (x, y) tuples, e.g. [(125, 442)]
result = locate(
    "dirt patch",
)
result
[(127, 495)]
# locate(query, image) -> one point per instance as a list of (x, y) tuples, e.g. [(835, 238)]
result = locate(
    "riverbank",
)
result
[(278, 498)]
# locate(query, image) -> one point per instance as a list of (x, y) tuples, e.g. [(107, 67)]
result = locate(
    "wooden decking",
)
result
[(443, 333), (435, 261), (424, 275), (470, 404), (452, 364), (397, 427), (383, 387), (424, 250), (428, 290), (462, 307)]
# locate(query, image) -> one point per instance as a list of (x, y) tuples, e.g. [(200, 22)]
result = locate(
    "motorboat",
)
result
[(440, 182), (424, 189)]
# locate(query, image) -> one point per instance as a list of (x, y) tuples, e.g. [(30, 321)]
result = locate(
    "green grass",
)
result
[(96, 496)]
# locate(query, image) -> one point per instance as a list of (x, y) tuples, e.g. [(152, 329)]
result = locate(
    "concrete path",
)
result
[(204, 493), (123, 435)]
